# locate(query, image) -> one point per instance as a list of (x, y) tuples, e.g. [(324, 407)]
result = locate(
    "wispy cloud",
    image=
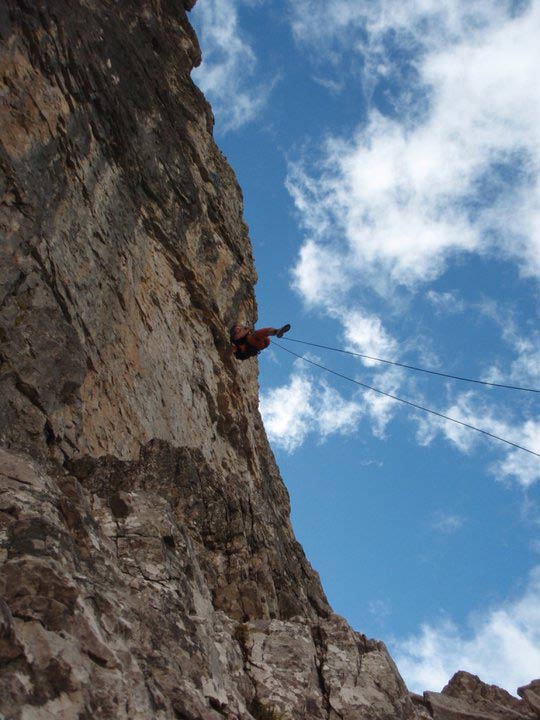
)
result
[(446, 302), (501, 645), (518, 465), (469, 408), (380, 610), (228, 71), (333, 86), (306, 405), (380, 409), (365, 334), (446, 523), (525, 368)]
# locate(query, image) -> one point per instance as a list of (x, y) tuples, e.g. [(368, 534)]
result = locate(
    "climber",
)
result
[(247, 343)]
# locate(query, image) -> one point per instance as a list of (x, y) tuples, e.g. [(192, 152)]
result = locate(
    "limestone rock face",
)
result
[(148, 566)]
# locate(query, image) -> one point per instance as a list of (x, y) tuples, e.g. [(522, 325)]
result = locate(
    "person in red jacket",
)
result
[(247, 343)]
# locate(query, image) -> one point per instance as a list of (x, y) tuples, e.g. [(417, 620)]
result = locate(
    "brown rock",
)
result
[(466, 697), (531, 694), (9, 647)]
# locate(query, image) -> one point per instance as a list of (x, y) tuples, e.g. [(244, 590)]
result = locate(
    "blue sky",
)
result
[(389, 157)]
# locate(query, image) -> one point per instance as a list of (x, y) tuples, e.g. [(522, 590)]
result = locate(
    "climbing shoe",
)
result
[(281, 332)]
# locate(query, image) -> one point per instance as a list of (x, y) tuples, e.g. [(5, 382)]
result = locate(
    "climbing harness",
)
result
[(247, 343), (244, 351)]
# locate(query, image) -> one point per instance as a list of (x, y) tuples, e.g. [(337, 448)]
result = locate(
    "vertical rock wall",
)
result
[(125, 254), (148, 566)]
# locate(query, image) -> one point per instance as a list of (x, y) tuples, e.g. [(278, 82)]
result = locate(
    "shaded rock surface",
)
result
[(148, 566)]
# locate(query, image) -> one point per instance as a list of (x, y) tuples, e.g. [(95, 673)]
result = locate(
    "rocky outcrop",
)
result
[(148, 565), (466, 697)]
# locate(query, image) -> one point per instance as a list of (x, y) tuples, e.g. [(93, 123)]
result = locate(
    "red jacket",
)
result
[(259, 338)]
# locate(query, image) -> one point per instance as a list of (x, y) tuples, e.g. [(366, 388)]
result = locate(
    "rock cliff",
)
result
[(148, 565)]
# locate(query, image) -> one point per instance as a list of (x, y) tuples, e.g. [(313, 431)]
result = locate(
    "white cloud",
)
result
[(525, 368), (523, 467), (468, 408), (405, 198), (335, 414), (365, 334), (305, 406), (318, 275), (309, 405), (382, 409), (226, 74), (363, 25), (287, 412), (501, 645)]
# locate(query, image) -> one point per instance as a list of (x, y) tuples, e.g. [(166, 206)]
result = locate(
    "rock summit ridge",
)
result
[(148, 565)]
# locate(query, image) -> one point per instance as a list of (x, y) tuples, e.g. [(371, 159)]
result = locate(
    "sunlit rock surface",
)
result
[(148, 566)]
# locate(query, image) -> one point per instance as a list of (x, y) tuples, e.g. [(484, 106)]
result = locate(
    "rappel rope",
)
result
[(406, 402), (413, 367)]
